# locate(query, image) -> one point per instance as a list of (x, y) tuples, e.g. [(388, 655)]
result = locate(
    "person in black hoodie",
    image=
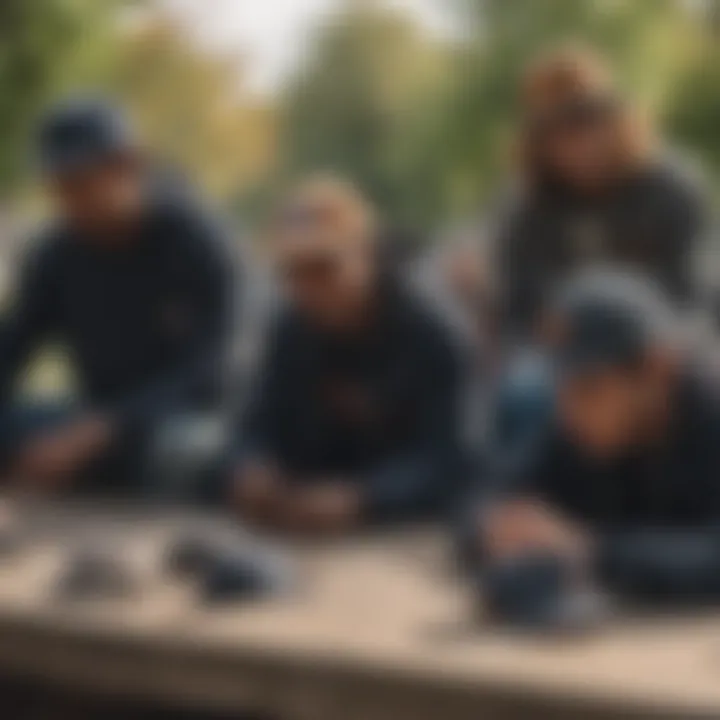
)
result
[(356, 415), (133, 280), (623, 486)]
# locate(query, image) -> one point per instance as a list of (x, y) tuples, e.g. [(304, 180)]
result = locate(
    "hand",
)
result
[(523, 525), (325, 507), (258, 491), (58, 454)]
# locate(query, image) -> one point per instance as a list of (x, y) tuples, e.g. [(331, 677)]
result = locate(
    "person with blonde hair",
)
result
[(596, 186), (355, 416)]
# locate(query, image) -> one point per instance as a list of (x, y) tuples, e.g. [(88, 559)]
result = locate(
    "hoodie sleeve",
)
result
[(260, 430), (657, 561), (679, 557), (31, 315), (519, 280), (682, 207), (424, 477), (200, 370)]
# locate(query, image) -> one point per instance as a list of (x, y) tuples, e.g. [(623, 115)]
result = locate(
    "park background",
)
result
[(414, 99)]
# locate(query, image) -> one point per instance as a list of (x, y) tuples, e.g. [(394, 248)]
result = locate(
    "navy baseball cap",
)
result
[(607, 319), (79, 133)]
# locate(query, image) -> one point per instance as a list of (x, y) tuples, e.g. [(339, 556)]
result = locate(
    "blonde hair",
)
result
[(334, 208), (575, 73)]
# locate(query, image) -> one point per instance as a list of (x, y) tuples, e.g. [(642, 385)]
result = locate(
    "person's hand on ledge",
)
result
[(258, 491), (325, 507), (51, 459), (518, 526)]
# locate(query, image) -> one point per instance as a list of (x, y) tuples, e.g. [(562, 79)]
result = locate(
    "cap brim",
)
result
[(595, 360)]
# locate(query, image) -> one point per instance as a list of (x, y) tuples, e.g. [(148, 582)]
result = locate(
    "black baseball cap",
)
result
[(81, 132), (605, 319)]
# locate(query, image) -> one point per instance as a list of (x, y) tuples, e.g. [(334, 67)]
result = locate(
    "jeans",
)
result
[(524, 404), (521, 408)]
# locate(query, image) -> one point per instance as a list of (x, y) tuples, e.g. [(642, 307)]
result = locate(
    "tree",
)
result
[(363, 105), (426, 126), (37, 40), (693, 103), (191, 107)]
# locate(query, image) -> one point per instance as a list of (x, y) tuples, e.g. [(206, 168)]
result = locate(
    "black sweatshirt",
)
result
[(145, 321), (379, 408), (651, 222), (651, 511)]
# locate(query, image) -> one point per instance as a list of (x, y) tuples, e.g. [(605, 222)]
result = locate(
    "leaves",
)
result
[(37, 39), (424, 123)]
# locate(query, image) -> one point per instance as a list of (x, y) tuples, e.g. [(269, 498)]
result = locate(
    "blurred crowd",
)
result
[(530, 382)]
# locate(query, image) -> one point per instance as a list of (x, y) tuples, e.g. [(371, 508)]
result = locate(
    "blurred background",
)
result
[(413, 98)]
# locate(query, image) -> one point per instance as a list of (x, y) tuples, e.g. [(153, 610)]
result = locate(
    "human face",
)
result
[(332, 288), (603, 411), (466, 275), (578, 147), (100, 197)]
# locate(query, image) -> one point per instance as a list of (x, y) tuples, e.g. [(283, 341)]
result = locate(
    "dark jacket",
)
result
[(380, 409), (652, 221), (145, 323), (647, 509)]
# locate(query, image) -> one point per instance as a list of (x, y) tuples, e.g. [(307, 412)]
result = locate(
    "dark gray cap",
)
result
[(78, 133), (610, 318)]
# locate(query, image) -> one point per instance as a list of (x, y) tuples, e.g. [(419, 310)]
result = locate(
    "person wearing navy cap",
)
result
[(622, 488), (595, 185), (132, 279)]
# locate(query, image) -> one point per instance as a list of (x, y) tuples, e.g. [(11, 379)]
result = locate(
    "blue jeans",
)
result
[(522, 407), (524, 403)]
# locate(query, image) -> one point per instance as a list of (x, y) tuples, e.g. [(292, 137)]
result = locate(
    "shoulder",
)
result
[(429, 283), (41, 263), (189, 218), (698, 410), (194, 231), (425, 324), (701, 382), (513, 204), (513, 220), (675, 181), (47, 248), (286, 331)]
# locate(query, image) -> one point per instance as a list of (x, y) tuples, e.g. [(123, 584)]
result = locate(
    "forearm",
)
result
[(411, 485), (657, 563)]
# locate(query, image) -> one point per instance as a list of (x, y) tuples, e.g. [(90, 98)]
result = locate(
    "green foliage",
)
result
[(37, 39), (693, 105), (424, 123), (427, 128), (192, 108), (365, 103)]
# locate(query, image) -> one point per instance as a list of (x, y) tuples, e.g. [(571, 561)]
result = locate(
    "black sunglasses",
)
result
[(574, 116)]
